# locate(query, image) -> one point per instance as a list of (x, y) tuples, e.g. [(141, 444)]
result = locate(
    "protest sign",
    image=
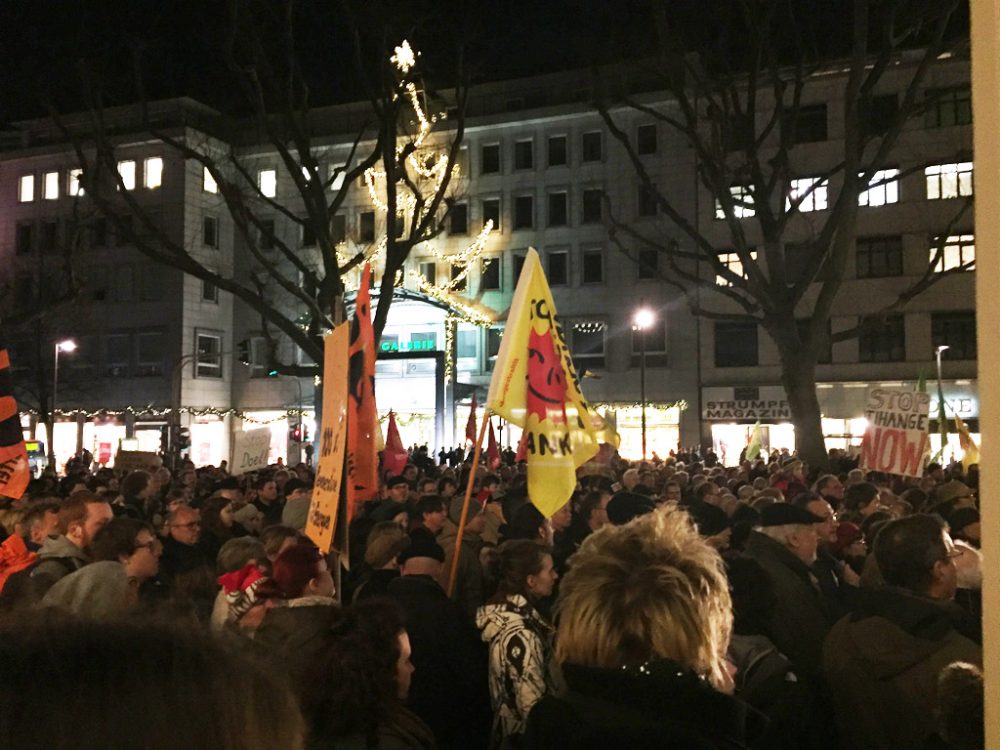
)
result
[(137, 461), (896, 439), (250, 449)]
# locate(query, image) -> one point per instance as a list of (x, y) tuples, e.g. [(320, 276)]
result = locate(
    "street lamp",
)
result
[(643, 319), (941, 426), (67, 346)]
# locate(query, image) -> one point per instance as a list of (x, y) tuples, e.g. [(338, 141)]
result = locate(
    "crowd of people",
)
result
[(672, 603)]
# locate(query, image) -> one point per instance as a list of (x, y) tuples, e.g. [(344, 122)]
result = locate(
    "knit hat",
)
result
[(709, 519), (396, 481), (421, 545), (847, 534), (240, 588), (784, 514)]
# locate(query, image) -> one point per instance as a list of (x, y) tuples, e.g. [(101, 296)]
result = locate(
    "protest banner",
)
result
[(137, 461), (250, 450), (896, 439), (322, 519), (14, 466)]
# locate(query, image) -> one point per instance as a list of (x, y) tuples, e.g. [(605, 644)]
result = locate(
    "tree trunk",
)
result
[(798, 375)]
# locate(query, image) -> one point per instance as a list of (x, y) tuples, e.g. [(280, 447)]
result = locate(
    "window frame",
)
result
[(888, 189), (519, 152), (964, 243), (565, 150), (550, 256), (586, 146), (50, 179), (890, 247), (816, 191), (208, 365), (149, 168), (128, 178), (483, 161), (518, 222), (26, 188), (936, 174)]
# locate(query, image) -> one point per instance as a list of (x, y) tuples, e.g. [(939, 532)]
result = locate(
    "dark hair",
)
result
[(513, 563), (588, 504), (295, 567), (211, 516), (860, 495), (117, 538), (35, 513), (526, 523), (134, 483), (352, 687), (74, 510), (429, 504), (802, 499), (960, 706), (125, 683), (907, 548)]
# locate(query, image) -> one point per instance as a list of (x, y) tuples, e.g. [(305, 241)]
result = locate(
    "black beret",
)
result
[(784, 514), (709, 519), (422, 545), (625, 506)]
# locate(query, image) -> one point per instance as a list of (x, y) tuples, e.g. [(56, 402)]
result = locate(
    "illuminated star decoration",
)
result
[(404, 59)]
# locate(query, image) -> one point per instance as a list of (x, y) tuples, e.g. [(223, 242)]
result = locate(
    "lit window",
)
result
[(153, 172), (949, 180), (126, 170), (26, 188), (337, 173), (73, 186), (883, 188), (811, 191), (208, 183), (50, 186), (267, 181), (733, 263), (742, 203), (954, 251)]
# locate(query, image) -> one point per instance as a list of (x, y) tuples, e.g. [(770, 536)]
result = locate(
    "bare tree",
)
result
[(741, 115)]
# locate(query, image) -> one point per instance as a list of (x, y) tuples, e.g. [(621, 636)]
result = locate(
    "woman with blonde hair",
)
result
[(644, 619)]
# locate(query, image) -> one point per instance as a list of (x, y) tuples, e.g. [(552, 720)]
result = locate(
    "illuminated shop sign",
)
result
[(407, 346)]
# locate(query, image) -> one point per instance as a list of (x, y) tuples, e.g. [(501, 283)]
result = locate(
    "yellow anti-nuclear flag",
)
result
[(535, 386), (970, 451)]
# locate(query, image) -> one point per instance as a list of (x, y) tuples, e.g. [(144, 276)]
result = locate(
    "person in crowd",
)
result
[(430, 512), (384, 545), (448, 656), (591, 515), (834, 576), (470, 592), (861, 500), (124, 684), (882, 660), (786, 546), (132, 543), (626, 506), (184, 568), (137, 488), (964, 524), (830, 488), (527, 522), (519, 638), (267, 501), (960, 715), (276, 539), (644, 624), (40, 521), (355, 695), (101, 591), (397, 489), (218, 525), (244, 553), (298, 495)]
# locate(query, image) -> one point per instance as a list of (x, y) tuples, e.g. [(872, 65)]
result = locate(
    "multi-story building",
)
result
[(540, 164)]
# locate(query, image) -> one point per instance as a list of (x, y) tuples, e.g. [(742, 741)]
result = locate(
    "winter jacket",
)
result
[(882, 663), (654, 706), (14, 557), (802, 617), (520, 644), (470, 587), (100, 590), (402, 731)]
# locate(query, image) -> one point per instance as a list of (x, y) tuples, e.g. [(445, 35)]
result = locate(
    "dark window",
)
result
[(524, 212), (518, 266), (809, 126), (24, 292), (308, 233), (557, 151), (591, 143), (493, 337), (645, 137), (428, 270), (124, 283), (461, 284), (458, 219), (209, 291), (558, 209), (489, 274), (878, 257), (957, 331), (491, 159), (210, 232), (592, 206), (49, 237), (649, 264), (825, 355), (338, 229), (647, 201), (152, 283), (587, 344), (267, 234), (878, 115), (558, 268), (491, 212), (593, 267), (655, 335), (735, 344), (124, 230), (524, 155), (23, 238), (149, 354), (400, 225), (117, 355), (883, 341), (949, 107), (366, 226), (99, 233)]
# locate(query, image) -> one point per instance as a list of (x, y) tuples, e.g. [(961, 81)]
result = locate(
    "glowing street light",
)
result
[(68, 346), (643, 319)]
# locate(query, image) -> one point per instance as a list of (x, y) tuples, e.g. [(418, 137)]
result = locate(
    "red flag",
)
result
[(470, 426), (362, 419), (522, 448), (395, 457), (14, 469), (492, 452)]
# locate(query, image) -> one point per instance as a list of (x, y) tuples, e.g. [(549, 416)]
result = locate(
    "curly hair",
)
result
[(353, 686)]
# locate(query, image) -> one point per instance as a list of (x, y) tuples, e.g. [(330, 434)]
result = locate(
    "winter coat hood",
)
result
[(60, 546), (97, 590)]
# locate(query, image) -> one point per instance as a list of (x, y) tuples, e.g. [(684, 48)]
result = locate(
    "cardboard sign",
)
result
[(137, 461), (250, 450), (322, 519), (896, 440)]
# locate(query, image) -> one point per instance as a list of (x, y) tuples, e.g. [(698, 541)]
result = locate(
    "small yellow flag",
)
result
[(535, 386), (969, 448)]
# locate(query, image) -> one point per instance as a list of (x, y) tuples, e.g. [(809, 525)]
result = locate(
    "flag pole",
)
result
[(465, 505)]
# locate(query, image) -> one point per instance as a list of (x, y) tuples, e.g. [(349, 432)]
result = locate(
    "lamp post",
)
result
[(68, 346), (643, 319), (942, 427)]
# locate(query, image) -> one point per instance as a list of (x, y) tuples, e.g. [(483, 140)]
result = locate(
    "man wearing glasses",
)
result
[(882, 661), (184, 566)]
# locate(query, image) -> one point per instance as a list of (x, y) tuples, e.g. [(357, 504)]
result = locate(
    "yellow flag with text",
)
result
[(535, 386)]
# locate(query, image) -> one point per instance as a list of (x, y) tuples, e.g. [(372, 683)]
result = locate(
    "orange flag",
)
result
[(362, 419), (492, 452), (395, 457), (14, 469)]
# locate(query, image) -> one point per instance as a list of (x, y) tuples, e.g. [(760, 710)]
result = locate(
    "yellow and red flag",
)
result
[(363, 433), (535, 386), (14, 468)]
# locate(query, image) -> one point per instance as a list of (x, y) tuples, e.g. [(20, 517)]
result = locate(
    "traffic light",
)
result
[(164, 439), (183, 439), (295, 434), (243, 348)]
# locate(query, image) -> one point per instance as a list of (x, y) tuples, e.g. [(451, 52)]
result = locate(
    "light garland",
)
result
[(680, 404), (462, 309), (154, 412), (590, 327), (450, 333)]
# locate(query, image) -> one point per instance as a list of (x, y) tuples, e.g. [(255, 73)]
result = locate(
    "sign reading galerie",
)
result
[(896, 440)]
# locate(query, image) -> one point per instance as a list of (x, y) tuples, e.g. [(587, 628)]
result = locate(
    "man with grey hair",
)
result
[(785, 545)]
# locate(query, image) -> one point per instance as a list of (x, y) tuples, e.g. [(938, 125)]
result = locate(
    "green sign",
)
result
[(407, 346)]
